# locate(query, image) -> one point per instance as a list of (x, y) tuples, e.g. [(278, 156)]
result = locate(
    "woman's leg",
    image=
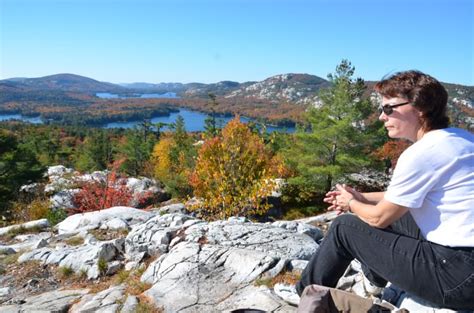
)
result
[(404, 226), (403, 260)]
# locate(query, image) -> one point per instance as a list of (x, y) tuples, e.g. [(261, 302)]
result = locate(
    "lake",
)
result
[(193, 120), (167, 95), (34, 120)]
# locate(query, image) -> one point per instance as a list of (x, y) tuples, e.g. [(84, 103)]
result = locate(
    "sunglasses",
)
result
[(388, 109)]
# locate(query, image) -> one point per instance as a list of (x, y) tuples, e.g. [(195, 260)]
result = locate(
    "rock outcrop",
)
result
[(64, 183), (199, 265), (180, 263)]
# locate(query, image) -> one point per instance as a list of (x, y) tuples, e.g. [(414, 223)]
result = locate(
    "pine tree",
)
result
[(210, 123), (135, 152), (18, 166), (333, 140), (97, 153)]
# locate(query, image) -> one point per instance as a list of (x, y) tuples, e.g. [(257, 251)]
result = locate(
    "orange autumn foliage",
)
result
[(392, 150), (234, 173)]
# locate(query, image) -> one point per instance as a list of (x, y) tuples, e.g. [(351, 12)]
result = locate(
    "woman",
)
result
[(419, 234)]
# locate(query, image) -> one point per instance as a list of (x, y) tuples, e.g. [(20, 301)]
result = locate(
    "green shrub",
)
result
[(55, 216), (82, 274), (136, 287), (122, 276), (104, 235), (9, 259), (15, 231), (65, 272), (145, 307), (301, 212), (102, 266)]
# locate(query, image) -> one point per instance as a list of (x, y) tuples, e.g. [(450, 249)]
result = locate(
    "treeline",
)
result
[(93, 112), (73, 108)]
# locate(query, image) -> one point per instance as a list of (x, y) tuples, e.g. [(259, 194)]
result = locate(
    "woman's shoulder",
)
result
[(440, 146), (449, 134), (453, 141)]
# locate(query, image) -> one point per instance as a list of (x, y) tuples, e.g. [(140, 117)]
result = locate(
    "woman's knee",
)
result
[(347, 224), (345, 219)]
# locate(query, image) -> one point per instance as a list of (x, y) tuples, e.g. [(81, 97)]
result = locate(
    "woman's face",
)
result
[(404, 121)]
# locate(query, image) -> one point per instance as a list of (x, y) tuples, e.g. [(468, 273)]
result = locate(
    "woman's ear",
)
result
[(420, 112)]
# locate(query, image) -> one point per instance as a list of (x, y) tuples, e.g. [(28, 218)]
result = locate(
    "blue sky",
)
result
[(241, 40)]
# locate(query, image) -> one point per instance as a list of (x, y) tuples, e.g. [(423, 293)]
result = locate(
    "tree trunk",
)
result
[(332, 162)]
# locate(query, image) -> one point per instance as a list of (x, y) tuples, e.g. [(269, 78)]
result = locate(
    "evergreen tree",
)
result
[(333, 140), (97, 152), (179, 128), (135, 152), (210, 123), (146, 127), (156, 127), (18, 166), (173, 159)]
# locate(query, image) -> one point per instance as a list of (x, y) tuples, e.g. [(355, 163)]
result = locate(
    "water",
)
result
[(34, 120), (193, 121), (167, 95)]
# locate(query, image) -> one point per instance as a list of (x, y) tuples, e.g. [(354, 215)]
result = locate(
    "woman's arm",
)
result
[(381, 214), (366, 197), (372, 197)]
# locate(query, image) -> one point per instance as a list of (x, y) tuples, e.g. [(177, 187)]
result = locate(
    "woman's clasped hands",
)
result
[(340, 197)]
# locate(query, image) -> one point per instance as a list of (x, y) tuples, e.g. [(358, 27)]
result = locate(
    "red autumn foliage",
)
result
[(392, 150), (99, 195)]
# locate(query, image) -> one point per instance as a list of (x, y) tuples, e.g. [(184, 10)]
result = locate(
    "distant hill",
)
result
[(299, 89), (64, 82), (156, 88), (11, 86), (190, 90), (294, 88), (222, 88)]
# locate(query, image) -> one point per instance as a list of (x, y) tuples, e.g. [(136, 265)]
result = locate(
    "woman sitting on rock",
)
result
[(419, 234)]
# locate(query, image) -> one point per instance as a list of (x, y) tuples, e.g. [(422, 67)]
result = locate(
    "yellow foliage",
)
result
[(234, 172), (161, 158), (37, 209), (172, 164)]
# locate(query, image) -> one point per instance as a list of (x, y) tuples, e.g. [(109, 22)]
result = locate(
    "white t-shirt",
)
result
[(434, 178)]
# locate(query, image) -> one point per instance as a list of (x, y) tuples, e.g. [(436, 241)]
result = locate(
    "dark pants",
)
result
[(438, 274)]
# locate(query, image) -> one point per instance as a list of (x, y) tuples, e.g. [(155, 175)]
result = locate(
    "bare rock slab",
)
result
[(104, 301), (197, 278), (92, 220), (53, 301)]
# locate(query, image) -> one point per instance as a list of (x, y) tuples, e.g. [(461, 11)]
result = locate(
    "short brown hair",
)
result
[(423, 91)]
